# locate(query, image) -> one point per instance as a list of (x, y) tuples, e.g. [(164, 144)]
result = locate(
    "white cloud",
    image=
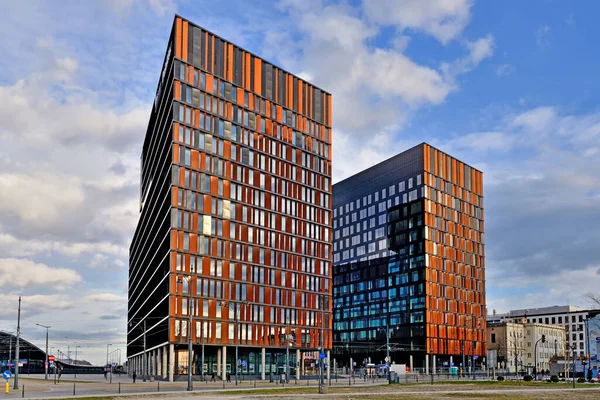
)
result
[(105, 297), (505, 70), (482, 141), (542, 36), (442, 19), (479, 50), (22, 273), (536, 120)]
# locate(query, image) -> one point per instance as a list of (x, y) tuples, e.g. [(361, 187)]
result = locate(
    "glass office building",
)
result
[(235, 215), (409, 262)]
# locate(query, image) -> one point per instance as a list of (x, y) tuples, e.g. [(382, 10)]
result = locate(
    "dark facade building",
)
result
[(235, 215), (409, 262)]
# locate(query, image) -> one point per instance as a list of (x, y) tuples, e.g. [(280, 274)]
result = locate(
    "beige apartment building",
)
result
[(512, 345)]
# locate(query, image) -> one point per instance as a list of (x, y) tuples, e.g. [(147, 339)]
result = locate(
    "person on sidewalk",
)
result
[(212, 377), (134, 376), (228, 377)]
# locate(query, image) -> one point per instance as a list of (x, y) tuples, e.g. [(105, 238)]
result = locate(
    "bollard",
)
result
[(307, 381), (349, 381), (158, 386), (223, 384), (119, 387), (23, 393), (7, 388), (73, 388), (254, 384)]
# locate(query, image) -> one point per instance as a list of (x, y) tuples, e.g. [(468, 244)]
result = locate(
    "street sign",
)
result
[(7, 375), (51, 358), (322, 355), (52, 364), (597, 338), (387, 359), (243, 363)]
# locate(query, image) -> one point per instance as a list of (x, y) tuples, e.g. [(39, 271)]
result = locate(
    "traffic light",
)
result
[(543, 338)]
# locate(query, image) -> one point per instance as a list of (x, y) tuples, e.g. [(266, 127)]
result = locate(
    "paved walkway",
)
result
[(35, 387)]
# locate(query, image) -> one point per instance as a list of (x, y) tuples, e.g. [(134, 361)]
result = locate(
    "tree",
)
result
[(593, 299)]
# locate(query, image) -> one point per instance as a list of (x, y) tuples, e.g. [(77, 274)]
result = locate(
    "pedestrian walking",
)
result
[(228, 377), (212, 377), (105, 373), (134, 376)]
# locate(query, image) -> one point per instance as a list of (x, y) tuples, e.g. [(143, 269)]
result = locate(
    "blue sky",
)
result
[(508, 87)]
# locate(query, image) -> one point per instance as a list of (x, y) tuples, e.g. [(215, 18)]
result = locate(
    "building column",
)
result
[(297, 363), (263, 363), (426, 371), (159, 362), (328, 364), (171, 362), (451, 362), (156, 363), (302, 364), (411, 363), (165, 363), (224, 362), (218, 361), (351, 366)]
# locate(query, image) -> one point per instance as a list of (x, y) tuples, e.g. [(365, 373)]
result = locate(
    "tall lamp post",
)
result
[(474, 345), (16, 380), (75, 363), (188, 279), (46, 364), (236, 307), (109, 366)]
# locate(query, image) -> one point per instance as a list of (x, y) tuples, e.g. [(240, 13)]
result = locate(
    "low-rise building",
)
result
[(571, 318), (512, 345)]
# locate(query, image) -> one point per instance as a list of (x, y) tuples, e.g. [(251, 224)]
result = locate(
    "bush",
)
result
[(554, 378), (527, 378), (580, 380), (500, 378)]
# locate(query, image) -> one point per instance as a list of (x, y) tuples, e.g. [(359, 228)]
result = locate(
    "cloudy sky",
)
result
[(509, 87)]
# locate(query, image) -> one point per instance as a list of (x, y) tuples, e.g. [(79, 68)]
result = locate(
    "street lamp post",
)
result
[(75, 363), (388, 360), (190, 385), (46, 364), (110, 369), (474, 345), (236, 307), (16, 380), (432, 370)]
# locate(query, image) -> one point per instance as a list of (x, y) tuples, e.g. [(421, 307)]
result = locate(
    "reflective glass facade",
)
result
[(408, 255)]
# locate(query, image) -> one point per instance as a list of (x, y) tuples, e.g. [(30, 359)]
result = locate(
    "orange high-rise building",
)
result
[(235, 215)]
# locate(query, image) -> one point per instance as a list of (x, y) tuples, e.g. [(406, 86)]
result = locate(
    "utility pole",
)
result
[(16, 386), (46, 365)]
